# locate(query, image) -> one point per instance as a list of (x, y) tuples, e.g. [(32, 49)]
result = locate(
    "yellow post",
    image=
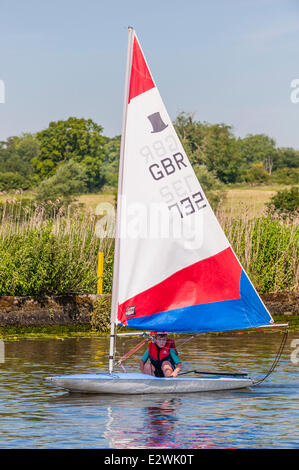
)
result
[(100, 272)]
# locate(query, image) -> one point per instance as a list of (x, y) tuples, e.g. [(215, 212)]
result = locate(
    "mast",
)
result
[(114, 299)]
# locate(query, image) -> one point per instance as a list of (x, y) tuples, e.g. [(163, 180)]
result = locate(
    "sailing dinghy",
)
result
[(174, 269)]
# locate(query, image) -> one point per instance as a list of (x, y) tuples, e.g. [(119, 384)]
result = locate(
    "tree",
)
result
[(259, 148), (74, 139), (222, 153), (287, 158), (207, 179), (286, 175), (15, 156), (70, 179), (191, 134), (213, 145), (255, 174), (111, 162), (213, 188)]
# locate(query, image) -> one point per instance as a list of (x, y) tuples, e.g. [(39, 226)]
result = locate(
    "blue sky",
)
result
[(228, 61)]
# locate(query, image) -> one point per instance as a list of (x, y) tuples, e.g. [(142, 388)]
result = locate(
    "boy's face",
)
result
[(161, 340)]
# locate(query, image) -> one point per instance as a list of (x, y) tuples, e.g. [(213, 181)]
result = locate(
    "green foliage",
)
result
[(222, 153), (70, 179), (43, 255), (285, 202), (286, 176), (15, 156), (34, 158), (74, 139), (213, 145), (16, 209), (268, 251), (100, 318), (10, 180), (213, 188), (255, 174), (22, 209), (108, 273), (286, 158), (111, 162), (208, 179), (42, 168), (251, 159), (275, 248), (259, 149), (37, 262), (192, 135)]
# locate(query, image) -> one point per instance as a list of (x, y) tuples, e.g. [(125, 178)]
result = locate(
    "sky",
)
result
[(224, 61)]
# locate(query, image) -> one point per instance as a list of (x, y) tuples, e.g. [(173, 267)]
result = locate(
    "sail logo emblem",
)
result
[(130, 311), (157, 123)]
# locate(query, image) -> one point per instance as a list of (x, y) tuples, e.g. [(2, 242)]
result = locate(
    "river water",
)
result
[(34, 414)]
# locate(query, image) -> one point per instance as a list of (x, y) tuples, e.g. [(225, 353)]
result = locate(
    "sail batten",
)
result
[(176, 268)]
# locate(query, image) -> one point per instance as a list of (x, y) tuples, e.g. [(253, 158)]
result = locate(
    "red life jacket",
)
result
[(159, 355)]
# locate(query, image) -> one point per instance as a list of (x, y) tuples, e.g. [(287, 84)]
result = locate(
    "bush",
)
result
[(286, 176), (285, 203), (255, 174), (70, 179), (10, 180)]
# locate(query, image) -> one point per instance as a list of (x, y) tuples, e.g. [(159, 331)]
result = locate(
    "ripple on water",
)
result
[(34, 414)]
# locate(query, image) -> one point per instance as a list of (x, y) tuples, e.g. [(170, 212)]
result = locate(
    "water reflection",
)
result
[(35, 414), (160, 421)]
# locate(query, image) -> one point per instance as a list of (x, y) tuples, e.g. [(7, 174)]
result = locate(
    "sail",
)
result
[(176, 270)]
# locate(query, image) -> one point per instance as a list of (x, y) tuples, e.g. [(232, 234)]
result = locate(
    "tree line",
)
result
[(73, 156)]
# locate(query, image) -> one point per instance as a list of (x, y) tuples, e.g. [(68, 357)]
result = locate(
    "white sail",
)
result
[(175, 269)]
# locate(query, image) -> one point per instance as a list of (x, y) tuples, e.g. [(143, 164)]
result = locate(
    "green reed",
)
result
[(267, 249), (55, 250), (42, 253)]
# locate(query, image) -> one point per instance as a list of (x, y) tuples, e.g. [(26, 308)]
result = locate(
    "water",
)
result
[(34, 414)]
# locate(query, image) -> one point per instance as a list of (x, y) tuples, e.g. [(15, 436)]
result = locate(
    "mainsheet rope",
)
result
[(277, 358), (235, 374), (255, 382)]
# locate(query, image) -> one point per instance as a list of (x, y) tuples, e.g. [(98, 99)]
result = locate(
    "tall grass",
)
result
[(267, 249), (46, 251), (56, 253)]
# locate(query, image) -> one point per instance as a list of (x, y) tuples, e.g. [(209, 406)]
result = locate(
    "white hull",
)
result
[(137, 383)]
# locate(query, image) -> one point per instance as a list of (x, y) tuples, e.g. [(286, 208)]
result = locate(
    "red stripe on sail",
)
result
[(213, 279), (141, 79)]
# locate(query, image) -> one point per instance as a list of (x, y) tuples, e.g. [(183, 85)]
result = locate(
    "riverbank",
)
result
[(73, 314), (37, 310)]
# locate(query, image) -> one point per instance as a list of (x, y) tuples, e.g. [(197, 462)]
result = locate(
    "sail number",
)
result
[(164, 158), (182, 196), (188, 205), (159, 149), (167, 166)]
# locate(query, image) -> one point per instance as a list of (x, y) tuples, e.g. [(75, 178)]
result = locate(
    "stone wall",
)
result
[(76, 309), (284, 303), (46, 310)]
